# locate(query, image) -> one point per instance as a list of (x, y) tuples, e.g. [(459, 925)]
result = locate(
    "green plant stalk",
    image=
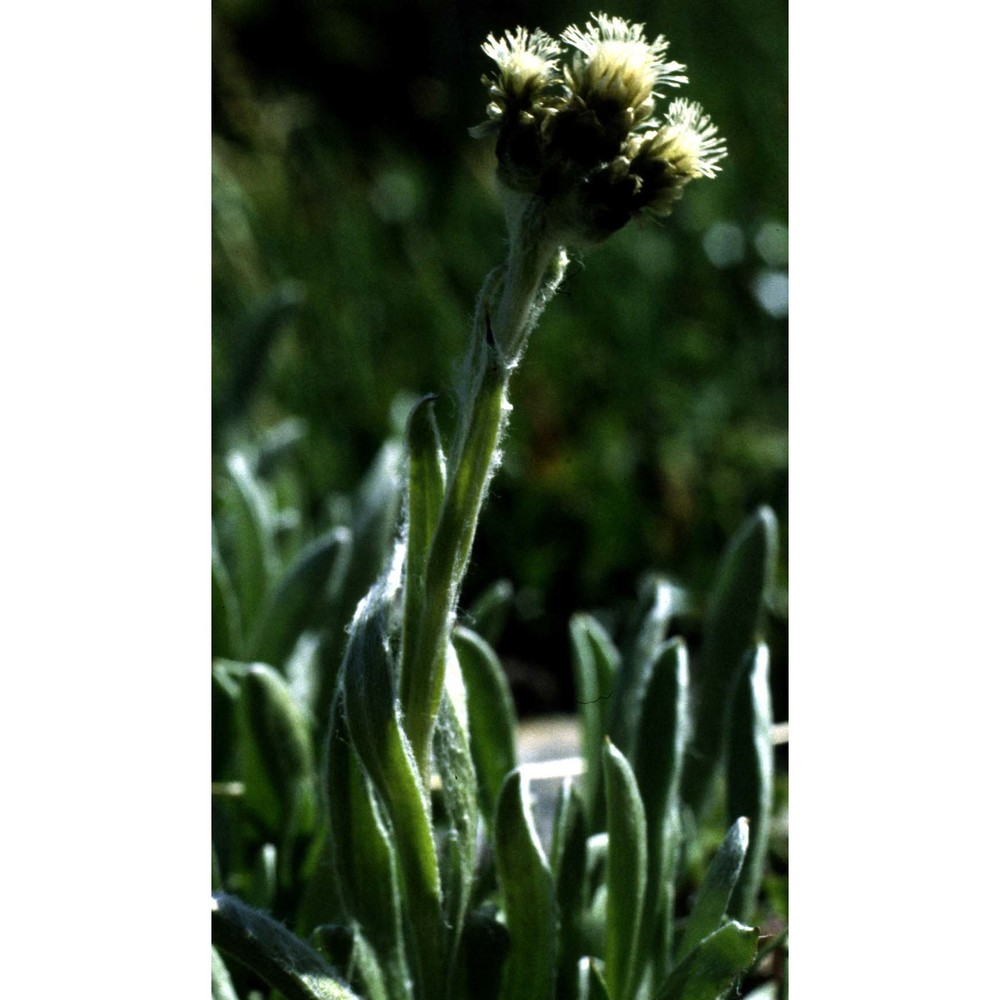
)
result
[(511, 301)]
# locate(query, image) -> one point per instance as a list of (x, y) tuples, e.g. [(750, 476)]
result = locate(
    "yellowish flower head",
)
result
[(615, 66), (685, 147), (526, 63), (584, 135)]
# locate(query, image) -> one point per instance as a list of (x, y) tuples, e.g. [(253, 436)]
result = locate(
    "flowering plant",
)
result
[(439, 886)]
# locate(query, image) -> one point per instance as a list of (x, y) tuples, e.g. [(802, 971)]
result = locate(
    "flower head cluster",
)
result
[(585, 136)]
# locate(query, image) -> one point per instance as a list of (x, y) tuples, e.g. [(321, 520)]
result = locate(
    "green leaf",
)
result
[(226, 679), (489, 612), (375, 732), (661, 734), (226, 628), (273, 952), (713, 896), (251, 555), (750, 784), (276, 749), (655, 607), (492, 720), (626, 873), (366, 872), (424, 496), (711, 970), (528, 898), (595, 987), (568, 860), (257, 331), (367, 966), (596, 663), (470, 466), (374, 521), (222, 983), (458, 786), (289, 608), (731, 622)]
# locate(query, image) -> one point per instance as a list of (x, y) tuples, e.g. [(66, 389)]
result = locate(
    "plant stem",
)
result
[(509, 305)]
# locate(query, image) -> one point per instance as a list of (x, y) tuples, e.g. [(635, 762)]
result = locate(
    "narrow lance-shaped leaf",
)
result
[(656, 604), (288, 610), (712, 969), (730, 626), (276, 748), (489, 612), (593, 986), (424, 495), (713, 896), (492, 720), (750, 785), (469, 469), (528, 898), (222, 983), (568, 860), (365, 865), (252, 558), (661, 735), (377, 735), (626, 879), (274, 952), (368, 967), (227, 636), (458, 787), (596, 663)]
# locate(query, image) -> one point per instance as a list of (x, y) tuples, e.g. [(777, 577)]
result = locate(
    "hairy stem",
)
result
[(509, 306)]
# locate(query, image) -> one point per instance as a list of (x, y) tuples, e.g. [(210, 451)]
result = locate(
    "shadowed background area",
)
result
[(354, 220)]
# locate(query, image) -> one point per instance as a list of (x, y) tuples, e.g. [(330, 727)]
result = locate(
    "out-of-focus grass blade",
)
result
[(528, 898), (492, 721), (458, 785), (594, 987), (278, 443), (374, 520), (377, 735), (730, 626), (251, 555), (226, 628), (750, 784), (713, 896), (365, 865), (222, 983), (710, 971), (264, 882), (568, 861), (489, 612), (276, 752), (289, 608), (226, 680), (655, 606), (272, 951), (661, 735), (373, 523), (257, 332), (596, 663), (626, 879)]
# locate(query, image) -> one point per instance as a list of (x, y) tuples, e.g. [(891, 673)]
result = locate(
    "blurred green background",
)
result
[(353, 223)]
